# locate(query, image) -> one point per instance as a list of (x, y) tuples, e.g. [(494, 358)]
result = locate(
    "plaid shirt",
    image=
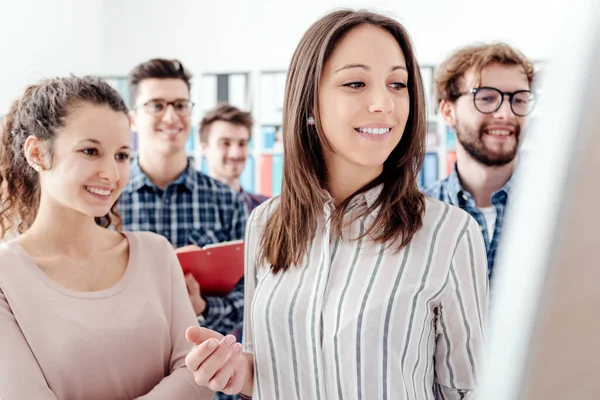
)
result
[(253, 200), (449, 190), (194, 209)]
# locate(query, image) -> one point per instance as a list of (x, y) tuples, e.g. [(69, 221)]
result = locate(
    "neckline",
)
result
[(113, 290)]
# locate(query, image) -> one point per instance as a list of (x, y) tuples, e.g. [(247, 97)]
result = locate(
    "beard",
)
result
[(472, 141)]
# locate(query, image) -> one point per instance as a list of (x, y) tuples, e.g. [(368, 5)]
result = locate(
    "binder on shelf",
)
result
[(268, 133), (190, 144), (277, 174), (216, 267), (430, 169), (134, 141), (450, 160), (266, 174), (450, 139), (247, 177)]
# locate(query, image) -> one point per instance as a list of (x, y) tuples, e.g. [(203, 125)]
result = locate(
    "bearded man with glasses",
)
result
[(484, 94)]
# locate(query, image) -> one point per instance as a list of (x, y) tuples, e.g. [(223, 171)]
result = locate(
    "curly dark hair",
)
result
[(40, 112)]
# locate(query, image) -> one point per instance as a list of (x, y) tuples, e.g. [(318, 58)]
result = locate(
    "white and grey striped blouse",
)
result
[(357, 320)]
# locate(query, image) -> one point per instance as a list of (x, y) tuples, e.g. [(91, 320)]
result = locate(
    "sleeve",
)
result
[(461, 321), (224, 314), (179, 384), (239, 217), (20, 375), (234, 224), (252, 241)]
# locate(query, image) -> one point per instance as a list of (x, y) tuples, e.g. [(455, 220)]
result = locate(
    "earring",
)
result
[(35, 167), (310, 120)]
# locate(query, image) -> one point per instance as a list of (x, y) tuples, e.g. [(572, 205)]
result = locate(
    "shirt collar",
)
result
[(458, 194), (138, 178), (367, 199)]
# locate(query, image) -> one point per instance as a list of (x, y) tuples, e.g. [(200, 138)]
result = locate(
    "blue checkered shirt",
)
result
[(194, 209), (449, 190)]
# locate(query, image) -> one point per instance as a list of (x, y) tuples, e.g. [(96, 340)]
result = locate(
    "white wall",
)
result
[(242, 35), (41, 38), (50, 37)]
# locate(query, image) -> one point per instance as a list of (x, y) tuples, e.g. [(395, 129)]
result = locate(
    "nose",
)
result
[(109, 170), (170, 115), (504, 112), (381, 101), (235, 151)]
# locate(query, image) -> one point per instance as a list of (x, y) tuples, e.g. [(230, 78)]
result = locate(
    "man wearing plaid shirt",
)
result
[(167, 195), (484, 93)]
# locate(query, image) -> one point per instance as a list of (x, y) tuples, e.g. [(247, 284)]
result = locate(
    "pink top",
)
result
[(57, 343)]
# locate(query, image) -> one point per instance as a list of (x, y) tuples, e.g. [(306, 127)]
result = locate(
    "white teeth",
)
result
[(98, 191), (171, 132), (500, 132), (374, 131)]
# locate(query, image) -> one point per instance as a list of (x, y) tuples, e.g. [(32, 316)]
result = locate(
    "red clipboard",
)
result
[(217, 267)]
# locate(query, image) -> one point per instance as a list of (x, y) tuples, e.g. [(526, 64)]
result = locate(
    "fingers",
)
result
[(197, 335), (191, 283), (223, 376), (206, 359), (236, 382)]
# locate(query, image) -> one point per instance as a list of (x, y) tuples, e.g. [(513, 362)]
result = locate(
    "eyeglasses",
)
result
[(488, 100), (158, 107)]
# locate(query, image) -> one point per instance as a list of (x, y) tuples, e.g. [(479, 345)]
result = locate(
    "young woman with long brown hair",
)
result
[(357, 285)]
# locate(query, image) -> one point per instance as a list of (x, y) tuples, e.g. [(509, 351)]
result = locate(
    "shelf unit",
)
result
[(265, 100), (261, 92)]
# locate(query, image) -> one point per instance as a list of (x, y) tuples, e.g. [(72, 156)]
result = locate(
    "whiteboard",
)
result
[(544, 340)]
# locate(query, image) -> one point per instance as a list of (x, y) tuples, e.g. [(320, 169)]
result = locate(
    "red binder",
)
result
[(216, 267)]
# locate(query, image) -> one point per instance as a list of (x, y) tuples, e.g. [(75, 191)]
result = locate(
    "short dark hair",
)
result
[(224, 112), (156, 68)]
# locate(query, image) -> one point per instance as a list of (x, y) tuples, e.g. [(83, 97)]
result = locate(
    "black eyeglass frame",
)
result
[(532, 97), (191, 105)]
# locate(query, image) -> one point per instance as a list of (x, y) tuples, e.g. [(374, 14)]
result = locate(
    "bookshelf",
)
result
[(263, 96), (261, 92)]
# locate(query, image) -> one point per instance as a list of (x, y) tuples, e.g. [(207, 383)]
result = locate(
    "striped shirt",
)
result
[(359, 321)]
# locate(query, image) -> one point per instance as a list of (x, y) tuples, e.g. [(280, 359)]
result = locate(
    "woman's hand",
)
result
[(216, 361)]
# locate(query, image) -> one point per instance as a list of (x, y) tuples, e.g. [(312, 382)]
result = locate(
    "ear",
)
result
[(34, 154), (203, 148), (132, 119), (448, 112)]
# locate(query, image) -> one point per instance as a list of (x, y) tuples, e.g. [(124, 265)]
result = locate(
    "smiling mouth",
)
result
[(498, 132), (373, 131), (98, 192), (170, 131)]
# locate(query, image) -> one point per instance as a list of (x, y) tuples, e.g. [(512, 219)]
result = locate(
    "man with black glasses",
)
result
[(167, 195), (484, 94)]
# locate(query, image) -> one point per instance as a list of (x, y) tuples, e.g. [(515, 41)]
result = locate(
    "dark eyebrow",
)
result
[(161, 99), (125, 147), (366, 68)]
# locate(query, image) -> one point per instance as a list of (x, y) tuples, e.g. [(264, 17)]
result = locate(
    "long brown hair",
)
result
[(40, 112), (291, 225)]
